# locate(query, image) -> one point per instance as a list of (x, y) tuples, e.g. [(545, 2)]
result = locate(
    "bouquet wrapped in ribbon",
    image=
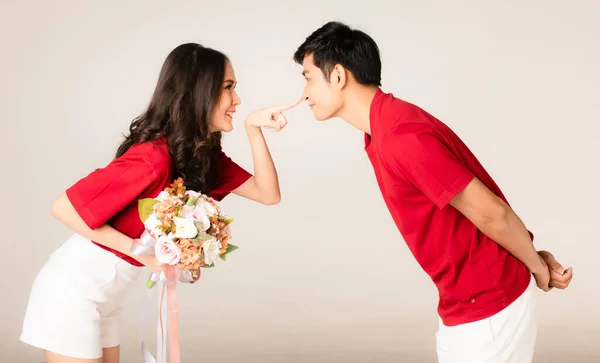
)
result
[(186, 231)]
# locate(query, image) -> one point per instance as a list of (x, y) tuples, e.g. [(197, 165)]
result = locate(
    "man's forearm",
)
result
[(496, 219), (510, 232)]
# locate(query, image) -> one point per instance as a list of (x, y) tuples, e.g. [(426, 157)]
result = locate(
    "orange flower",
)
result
[(224, 243), (190, 254), (177, 188)]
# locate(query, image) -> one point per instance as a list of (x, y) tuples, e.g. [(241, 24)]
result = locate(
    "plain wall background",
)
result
[(324, 276)]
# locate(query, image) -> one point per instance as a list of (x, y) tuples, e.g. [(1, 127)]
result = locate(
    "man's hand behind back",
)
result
[(559, 276)]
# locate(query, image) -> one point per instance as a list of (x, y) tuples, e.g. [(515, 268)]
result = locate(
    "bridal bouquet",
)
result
[(184, 228), (186, 231)]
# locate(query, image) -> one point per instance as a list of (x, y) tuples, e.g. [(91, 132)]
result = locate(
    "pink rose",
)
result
[(227, 230), (167, 252)]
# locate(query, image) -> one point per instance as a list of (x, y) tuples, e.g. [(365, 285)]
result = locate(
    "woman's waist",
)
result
[(80, 252)]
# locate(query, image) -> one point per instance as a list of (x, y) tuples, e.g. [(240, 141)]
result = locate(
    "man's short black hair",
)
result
[(336, 43)]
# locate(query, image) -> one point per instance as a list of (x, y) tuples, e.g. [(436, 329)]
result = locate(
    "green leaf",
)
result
[(227, 220), (209, 266), (191, 200), (146, 208), (230, 248), (202, 236), (199, 226)]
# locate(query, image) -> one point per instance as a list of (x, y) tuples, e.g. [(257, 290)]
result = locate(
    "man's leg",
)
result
[(466, 343), (507, 337), (516, 328)]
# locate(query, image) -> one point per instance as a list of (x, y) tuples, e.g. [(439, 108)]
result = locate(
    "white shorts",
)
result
[(507, 337), (76, 300)]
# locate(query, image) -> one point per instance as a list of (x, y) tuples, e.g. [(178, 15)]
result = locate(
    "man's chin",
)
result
[(321, 117)]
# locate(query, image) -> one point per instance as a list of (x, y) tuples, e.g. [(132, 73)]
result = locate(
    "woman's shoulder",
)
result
[(155, 153)]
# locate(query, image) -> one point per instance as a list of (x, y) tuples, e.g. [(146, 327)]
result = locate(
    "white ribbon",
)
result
[(144, 246), (161, 349), (157, 283), (148, 358)]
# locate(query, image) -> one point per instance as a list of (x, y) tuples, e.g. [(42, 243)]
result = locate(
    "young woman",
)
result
[(76, 299)]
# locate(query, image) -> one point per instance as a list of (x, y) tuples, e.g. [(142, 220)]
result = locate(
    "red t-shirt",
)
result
[(110, 195), (420, 166)]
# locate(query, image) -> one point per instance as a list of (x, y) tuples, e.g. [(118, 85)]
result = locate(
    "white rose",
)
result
[(192, 193), (210, 210), (184, 228), (152, 224), (162, 196), (198, 214), (211, 250)]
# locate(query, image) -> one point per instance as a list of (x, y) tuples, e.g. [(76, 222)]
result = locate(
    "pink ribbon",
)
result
[(168, 281), (173, 273)]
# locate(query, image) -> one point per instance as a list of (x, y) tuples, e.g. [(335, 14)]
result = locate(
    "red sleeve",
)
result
[(105, 192), (229, 176), (420, 155)]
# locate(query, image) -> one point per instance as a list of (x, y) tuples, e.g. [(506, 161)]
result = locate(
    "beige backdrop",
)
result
[(324, 276)]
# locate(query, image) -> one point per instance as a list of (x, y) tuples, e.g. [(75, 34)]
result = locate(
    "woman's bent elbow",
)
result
[(57, 207), (272, 200)]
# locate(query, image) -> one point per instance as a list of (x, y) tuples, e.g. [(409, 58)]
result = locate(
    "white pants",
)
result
[(507, 337), (76, 300)]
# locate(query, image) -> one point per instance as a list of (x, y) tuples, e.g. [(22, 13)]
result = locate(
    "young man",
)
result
[(452, 215)]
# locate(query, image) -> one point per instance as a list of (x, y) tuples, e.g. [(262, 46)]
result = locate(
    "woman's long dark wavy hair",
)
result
[(188, 90)]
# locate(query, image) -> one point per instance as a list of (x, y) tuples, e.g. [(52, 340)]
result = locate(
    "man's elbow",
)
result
[(497, 218)]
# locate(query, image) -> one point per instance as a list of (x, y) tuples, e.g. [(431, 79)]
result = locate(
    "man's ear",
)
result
[(338, 76)]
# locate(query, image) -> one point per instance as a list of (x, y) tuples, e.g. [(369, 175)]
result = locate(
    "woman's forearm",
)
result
[(63, 210), (265, 173)]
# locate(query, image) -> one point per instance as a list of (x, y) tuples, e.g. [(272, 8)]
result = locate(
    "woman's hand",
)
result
[(270, 117), (151, 262)]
